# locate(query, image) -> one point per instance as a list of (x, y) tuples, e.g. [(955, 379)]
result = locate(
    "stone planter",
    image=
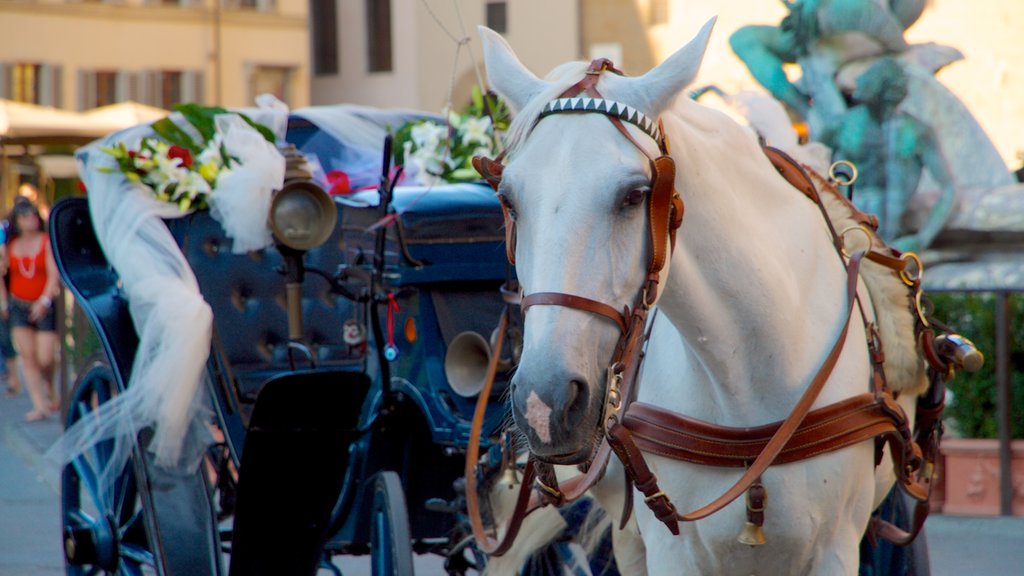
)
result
[(970, 476)]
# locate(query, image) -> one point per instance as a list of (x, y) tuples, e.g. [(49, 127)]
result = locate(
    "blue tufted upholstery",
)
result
[(247, 296)]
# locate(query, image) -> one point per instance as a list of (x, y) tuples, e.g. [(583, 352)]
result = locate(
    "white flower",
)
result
[(428, 135), (476, 130)]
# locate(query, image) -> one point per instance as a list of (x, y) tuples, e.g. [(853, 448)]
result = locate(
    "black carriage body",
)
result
[(445, 264)]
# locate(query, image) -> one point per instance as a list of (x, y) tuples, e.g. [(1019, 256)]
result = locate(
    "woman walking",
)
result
[(33, 285)]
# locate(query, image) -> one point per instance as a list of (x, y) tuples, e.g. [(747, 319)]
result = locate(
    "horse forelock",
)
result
[(559, 80)]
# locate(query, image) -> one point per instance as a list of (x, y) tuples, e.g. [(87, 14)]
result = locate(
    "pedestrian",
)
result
[(10, 356), (33, 286)]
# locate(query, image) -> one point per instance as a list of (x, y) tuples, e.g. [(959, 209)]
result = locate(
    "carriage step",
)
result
[(292, 468)]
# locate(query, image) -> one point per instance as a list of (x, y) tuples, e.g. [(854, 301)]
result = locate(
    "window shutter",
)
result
[(49, 85), (5, 80), (86, 89), (125, 89), (147, 89), (57, 85), (198, 87)]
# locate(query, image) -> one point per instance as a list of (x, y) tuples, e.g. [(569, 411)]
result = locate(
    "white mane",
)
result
[(904, 367)]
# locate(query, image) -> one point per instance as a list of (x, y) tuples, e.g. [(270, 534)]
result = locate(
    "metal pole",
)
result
[(1002, 321)]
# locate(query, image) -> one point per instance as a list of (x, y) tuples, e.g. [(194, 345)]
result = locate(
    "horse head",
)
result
[(580, 191)]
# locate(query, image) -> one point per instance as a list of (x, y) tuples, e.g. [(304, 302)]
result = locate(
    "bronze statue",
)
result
[(892, 149)]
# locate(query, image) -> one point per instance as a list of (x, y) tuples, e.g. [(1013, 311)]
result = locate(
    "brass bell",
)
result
[(509, 477), (751, 535)]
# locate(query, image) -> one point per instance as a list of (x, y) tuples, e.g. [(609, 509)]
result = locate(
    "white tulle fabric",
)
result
[(172, 320), (242, 199)]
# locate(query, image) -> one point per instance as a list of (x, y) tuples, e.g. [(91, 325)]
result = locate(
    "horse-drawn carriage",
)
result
[(332, 443)]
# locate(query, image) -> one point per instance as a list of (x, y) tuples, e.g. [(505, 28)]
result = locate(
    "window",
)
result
[(103, 87), (324, 15), (274, 80), (31, 83), (378, 35), (497, 16), (106, 88), (168, 88)]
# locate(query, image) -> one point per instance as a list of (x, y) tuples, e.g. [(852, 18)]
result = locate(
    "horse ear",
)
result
[(662, 84), (507, 75)]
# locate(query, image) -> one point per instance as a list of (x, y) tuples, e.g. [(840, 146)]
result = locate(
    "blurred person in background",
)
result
[(33, 286), (9, 369)]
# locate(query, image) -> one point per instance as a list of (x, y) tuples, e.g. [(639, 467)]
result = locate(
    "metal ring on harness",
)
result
[(839, 177), (905, 276), (919, 309), (861, 228)]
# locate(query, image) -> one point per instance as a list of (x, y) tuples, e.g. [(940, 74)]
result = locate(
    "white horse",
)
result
[(750, 301)]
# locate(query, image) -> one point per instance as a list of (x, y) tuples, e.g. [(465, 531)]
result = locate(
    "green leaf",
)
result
[(201, 117), (171, 132)]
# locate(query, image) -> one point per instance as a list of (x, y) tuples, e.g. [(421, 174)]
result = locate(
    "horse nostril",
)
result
[(576, 402)]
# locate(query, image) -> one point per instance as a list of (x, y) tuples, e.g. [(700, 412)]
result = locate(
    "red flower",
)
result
[(182, 153), (339, 182)]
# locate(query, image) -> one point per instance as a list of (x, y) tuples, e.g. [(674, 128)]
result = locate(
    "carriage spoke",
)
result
[(79, 519), (138, 555), (87, 477)]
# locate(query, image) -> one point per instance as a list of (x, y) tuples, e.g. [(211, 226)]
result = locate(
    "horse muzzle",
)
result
[(559, 417)]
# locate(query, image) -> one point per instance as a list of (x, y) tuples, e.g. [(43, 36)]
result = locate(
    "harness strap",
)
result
[(829, 428), (577, 302), (488, 543), (629, 452)]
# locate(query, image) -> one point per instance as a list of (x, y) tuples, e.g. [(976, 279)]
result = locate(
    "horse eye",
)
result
[(635, 197)]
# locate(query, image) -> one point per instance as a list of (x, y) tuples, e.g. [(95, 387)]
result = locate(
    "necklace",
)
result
[(29, 270), (27, 264)]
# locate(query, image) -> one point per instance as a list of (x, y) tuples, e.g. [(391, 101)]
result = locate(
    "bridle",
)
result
[(665, 215), (874, 414)]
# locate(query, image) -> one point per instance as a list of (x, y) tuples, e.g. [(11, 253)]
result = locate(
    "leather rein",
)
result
[(631, 427)]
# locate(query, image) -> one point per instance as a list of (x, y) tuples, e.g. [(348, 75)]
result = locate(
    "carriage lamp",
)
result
[(302, 216)]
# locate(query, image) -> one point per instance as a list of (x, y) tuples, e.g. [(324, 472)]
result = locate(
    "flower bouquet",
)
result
[(433, 152), (179, 164)]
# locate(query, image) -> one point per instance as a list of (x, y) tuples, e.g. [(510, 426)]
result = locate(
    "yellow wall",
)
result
[(134, 36)]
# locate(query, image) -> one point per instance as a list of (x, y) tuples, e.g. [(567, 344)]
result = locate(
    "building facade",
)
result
[(80, 54), (407, 53)]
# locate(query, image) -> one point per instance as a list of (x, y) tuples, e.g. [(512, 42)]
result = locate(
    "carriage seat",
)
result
[(444, 233), (245, 293), (247, 296)]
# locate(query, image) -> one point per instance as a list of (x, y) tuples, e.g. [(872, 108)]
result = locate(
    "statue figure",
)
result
[(822, 36), (833, 42), (892, 149)]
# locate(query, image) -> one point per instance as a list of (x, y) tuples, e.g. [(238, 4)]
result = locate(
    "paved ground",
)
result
[(30, 542)]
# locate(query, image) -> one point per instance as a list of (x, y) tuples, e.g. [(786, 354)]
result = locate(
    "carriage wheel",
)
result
[(390, 538), (104, 533)]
